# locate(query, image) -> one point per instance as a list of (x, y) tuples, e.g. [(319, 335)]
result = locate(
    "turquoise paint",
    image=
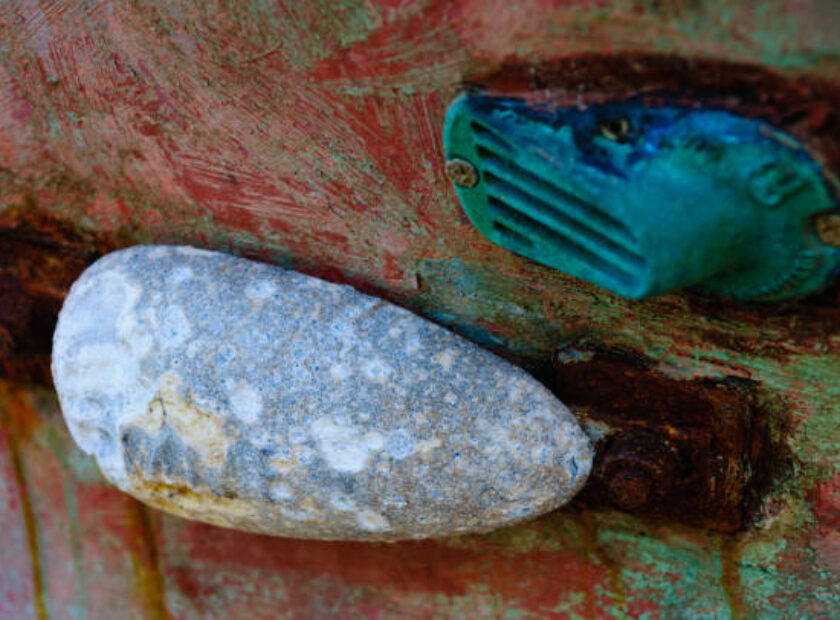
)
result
[(642, 200)]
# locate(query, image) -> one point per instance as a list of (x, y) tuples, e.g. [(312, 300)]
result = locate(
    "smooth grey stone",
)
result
[(252, 397)]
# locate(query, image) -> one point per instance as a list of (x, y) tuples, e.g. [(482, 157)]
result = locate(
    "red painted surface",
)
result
[(308, 134)]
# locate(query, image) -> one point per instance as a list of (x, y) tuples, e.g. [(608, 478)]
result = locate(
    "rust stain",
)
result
[(146, 563), (731, 578), (42, 258), (697, 434), (587, 527), (30, 522)]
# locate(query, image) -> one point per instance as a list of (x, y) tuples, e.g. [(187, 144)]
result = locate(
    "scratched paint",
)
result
[(308, 135)]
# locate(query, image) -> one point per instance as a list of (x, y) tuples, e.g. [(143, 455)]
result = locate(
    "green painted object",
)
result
[(642, 200)]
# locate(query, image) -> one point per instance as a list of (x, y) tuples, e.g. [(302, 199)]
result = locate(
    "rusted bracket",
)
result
[(39, 260), (682, 450)]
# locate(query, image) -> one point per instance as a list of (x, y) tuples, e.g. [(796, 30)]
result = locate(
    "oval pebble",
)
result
[(252, 397)]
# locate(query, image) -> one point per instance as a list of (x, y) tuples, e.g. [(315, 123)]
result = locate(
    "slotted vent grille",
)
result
[(528, 211)]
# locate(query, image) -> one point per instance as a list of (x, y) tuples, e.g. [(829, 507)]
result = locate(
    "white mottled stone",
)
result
[(252, 397)]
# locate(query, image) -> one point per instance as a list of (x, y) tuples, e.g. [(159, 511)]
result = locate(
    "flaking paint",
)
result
[(320, 149)]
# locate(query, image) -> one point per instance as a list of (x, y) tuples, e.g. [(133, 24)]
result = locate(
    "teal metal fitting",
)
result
[(642, 200)]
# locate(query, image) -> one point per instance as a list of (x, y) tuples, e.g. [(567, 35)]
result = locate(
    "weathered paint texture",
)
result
[(252, 397), (309, 134)]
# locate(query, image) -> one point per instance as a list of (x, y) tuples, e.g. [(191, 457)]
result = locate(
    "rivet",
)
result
[(461, 172), (629, 488), (827, 227), (638, 466)]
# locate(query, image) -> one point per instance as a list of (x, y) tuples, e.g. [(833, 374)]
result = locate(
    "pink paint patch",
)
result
[(826, 539), (828, 547), (827, 504)]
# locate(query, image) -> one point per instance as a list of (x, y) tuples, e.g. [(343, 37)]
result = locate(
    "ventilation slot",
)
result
[(558, 220), (511, 220), (512, 237), (529, 210), (489, 139)]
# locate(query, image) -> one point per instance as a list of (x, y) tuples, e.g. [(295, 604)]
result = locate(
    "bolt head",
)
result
[(629, 488), (827, 227), (461, 172), (638, 466)]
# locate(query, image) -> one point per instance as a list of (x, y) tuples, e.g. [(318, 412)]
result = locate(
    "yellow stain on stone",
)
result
[(197, 429), (182, 500)]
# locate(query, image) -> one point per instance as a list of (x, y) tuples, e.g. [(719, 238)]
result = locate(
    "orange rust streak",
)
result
[(731, 579), (147, 575), (588, 530), (13, 401)]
